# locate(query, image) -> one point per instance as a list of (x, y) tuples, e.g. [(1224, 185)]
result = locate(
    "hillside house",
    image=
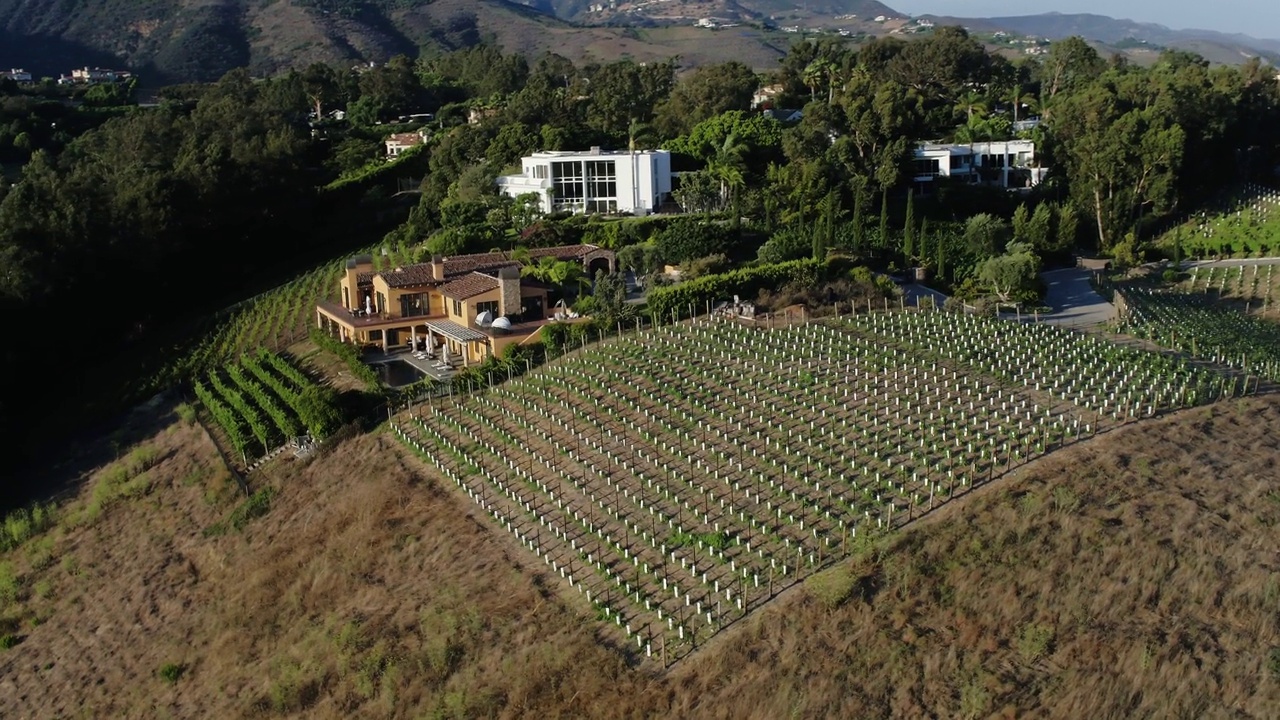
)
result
[(88, 75), (1007, 164), (477, 115), (17, 75), (596, 181), (476, 305), (399, 142), (765, 96)]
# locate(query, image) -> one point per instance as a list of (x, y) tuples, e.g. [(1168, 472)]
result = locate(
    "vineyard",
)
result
[(1193, 323), (680, 477), (263, 401), (1255, 285), (1248, 225)]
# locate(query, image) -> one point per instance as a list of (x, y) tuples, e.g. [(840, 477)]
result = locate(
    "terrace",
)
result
[(361, 320)]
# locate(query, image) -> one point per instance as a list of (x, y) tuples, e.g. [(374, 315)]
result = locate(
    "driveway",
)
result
[(914, 295), (1073, 299), (1246, 262)]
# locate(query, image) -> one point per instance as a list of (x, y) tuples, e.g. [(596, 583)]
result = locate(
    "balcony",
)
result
[(375, 321), (522, 184)]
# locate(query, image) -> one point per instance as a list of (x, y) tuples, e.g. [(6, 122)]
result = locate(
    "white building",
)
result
[(97, 75), (17, 75), (400, 142), (1008, 164), (596, 181)]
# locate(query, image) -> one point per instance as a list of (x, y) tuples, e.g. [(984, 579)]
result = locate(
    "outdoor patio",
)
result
[(431, 366)]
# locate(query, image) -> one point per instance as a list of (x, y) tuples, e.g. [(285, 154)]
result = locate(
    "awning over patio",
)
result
[(454, 331)]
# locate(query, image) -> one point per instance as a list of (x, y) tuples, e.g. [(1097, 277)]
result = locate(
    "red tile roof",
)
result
[(469, 286), (421, 275), (410, 276)]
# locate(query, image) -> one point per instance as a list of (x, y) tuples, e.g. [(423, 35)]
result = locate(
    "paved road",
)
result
[(914, 295), (1073, 299)]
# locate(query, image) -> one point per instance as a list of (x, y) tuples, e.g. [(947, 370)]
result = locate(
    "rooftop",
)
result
[(421, 274), (407, 138), (551, 154), (469, 286)]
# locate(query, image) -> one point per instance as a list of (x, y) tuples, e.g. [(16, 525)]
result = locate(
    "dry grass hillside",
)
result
[(1136, 575)]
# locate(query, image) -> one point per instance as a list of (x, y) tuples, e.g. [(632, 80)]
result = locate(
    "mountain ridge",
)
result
[(1109, 30), (183, 40)]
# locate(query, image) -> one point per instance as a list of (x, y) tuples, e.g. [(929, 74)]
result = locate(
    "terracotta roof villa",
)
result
[(449, 302)]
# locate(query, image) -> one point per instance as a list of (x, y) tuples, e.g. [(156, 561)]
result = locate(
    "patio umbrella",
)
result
[(368, 305)]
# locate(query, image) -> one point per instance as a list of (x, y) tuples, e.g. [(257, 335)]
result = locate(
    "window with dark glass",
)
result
[(412, 304), (568, 182), (487, 306)]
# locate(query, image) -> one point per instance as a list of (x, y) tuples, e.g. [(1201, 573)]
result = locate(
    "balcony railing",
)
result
[(524, 183), (358, 318)]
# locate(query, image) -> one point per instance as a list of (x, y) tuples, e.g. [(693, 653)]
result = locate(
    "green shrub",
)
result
[(257, 505), (832, 587), (348, 354), (25, 523), (8, 585), (186, 413), (9, 640), (170, 672), (689, 239), (1033, 641), (745, 282)]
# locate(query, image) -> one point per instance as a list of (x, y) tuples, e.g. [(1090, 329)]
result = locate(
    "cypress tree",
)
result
[(909, 231), (942, 259), (1177, 248), (884, 219), (857, 218), (830, 241), (923, 242)]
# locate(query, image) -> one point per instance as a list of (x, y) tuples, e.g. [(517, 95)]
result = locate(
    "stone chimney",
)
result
[(509, 293), (437, 267)]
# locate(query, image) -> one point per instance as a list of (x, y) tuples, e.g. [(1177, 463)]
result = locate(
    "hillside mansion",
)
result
[(475, 305)]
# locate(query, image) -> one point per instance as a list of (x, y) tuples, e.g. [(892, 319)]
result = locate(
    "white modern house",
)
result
[(1008, 163), (17, 75), (595, 181)]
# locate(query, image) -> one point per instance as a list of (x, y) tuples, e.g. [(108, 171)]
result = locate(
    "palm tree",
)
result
[(638, 135), (1019, 99), (728, 164), (972, 102), (814, 73)]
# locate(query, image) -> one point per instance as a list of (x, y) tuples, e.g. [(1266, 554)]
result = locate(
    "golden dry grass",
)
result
[(1133, 576)]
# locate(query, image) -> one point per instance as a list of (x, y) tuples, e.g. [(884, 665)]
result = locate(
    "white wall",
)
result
[(642, 178)]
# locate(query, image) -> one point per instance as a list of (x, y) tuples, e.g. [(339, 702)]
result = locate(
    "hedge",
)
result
[(743, 282), (349, 354)]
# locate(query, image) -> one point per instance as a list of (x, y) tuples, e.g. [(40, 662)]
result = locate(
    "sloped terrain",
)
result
[(200, 40), (1133, 575)]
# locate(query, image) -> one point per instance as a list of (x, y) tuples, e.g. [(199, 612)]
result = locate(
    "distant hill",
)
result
[(201, 39), (1123, 34), (641, 11), (182, 40)]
